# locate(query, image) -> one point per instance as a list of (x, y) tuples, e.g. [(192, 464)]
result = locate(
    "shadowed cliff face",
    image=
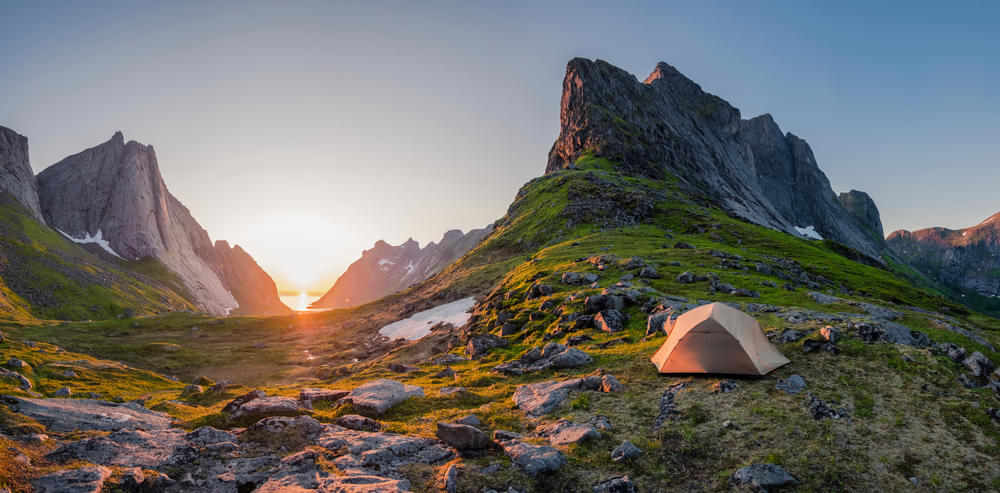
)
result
[(667, 126), (385, 269), (116, 189), (967, 259), (16, 177)]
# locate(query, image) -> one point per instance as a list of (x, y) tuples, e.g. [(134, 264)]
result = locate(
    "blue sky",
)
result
[(305, 131)]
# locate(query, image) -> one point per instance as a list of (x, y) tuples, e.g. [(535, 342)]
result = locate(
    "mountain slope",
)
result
[(44, 275), (667, 125), (385, 269), (115, 191), (965, 260)]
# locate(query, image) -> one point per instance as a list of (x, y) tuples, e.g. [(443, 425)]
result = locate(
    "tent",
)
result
[(717, 338)]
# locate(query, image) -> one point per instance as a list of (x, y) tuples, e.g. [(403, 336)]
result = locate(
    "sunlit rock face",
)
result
[(116, 189), (666, 125), (385, 269), (16, 177), (966, 259)]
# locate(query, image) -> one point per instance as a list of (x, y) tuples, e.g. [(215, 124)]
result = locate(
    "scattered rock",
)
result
[(471, 420), (235, 404), (621, 484), (680, 245), (668, 407), (688, 277), (63, 392), (552, 355), (533, 459), (954, 352), (88, 479), (445, 373), (359, 423), (577, 340), (657, 323), (539, 290), (398, 368), (979, 365), (192, 390), (821, 298), (601, 422), (821, 410), (792, 335), (578, 278), (610, 321), (601, 302), (792, 385), (463, 437), (724, 386), (566, 432), (446, 391), (649, 272), (22, 381), (890, 332), (377, 396), (311, 395), (763, 477), (131, 479), (18, 364), (480, 344), (448, 359), (624, 452), (812, 345), (503, 435), (448, 481), (542, 398), (283, 431)]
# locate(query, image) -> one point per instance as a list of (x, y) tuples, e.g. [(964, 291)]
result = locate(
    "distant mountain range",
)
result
[(385, 269), (112, 200)]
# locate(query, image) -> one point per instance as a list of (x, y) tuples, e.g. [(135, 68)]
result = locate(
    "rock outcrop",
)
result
[(114, 193), (863, 209), (667, 125), (966, 260), (385, 269), (16, 176)]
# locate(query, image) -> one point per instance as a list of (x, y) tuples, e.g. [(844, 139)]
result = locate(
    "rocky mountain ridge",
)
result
[(667, 126), (385, 269), (16, 176), (964, 259), (115, 191)]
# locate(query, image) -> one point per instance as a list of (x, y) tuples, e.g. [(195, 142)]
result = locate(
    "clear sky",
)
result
[(305, 131)]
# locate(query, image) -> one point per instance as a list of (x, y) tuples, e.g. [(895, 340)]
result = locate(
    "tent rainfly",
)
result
[(717, 338)]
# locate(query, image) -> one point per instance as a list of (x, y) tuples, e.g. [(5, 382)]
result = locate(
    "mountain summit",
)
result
[(16, 177), (668, 126), (114, 194)]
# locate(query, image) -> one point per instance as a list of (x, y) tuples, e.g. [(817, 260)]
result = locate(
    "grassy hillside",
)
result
[(907, 417), (43, 275)]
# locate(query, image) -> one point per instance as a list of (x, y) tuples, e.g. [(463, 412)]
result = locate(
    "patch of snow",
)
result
[(384, 263), (409, 268), (809, 232), (419, 324), (98, 239), (965, 233)]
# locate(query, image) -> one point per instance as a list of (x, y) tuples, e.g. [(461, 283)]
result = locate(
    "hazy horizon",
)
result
[(305, 132)]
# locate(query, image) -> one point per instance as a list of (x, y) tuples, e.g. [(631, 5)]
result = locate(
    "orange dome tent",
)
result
[(717, 338)]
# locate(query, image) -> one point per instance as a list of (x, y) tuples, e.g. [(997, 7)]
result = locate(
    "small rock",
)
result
[(192, 389), (680, 245), (63, 392), (446, 391), (821, 410), (792, 385), (463, 437), (624, 452), (566, 432), (445, 373), (471, 420), (791, 335), (264, 407), (610, 321), (503, 435), (400, 368), (601, 422), (321, 395), (235, 404), (17, 364), (88, 479), (622, 484), (533, 459), (131, 479), (649, 272), (763, 476), (480, 344), (601, 302), (979, 365), (358, 423), (812, 345), (449, 479), (377, 396), (491, 469)]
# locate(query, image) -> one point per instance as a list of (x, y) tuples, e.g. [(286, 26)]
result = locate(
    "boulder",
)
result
[(463, 437), (831, 334), (400, 368), (18, 364), (552, 355), (538, 399), (625, 452), (539, 290), (480, 344), (724, 386), (471, 420), (649, 272), (377, 396), (792, 335), (610, 321), (264, 407), (566, 432), (88, 479), (812, 345), (446, 391), (764, 477), (63, 392), (600, 302), (979, 365), (954, 352), (235, 404), (126, 448), (656, 324), (601, 422), (21, 380), (533, 459), (68, 415), (359, 423), (445, 373)]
